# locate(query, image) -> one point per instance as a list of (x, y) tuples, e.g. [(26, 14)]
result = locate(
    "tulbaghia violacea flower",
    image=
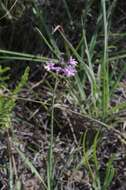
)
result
[(72, 61), (57, 69), (49, 66), (68, 69)]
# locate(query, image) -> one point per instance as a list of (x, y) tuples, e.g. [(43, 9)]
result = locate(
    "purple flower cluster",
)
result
[(68, 69)]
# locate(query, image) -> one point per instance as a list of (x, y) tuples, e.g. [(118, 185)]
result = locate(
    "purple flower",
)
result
[(72, 61), (49, 66), (69, 71), (57, 69)]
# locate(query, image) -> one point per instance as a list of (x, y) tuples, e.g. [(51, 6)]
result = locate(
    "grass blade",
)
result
[(30, 165), (104, 66)]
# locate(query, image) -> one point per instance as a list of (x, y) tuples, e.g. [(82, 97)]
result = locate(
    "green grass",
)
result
[(89, 156)]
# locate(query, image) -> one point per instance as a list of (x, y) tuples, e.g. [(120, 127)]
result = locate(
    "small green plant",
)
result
[(8, 97)]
